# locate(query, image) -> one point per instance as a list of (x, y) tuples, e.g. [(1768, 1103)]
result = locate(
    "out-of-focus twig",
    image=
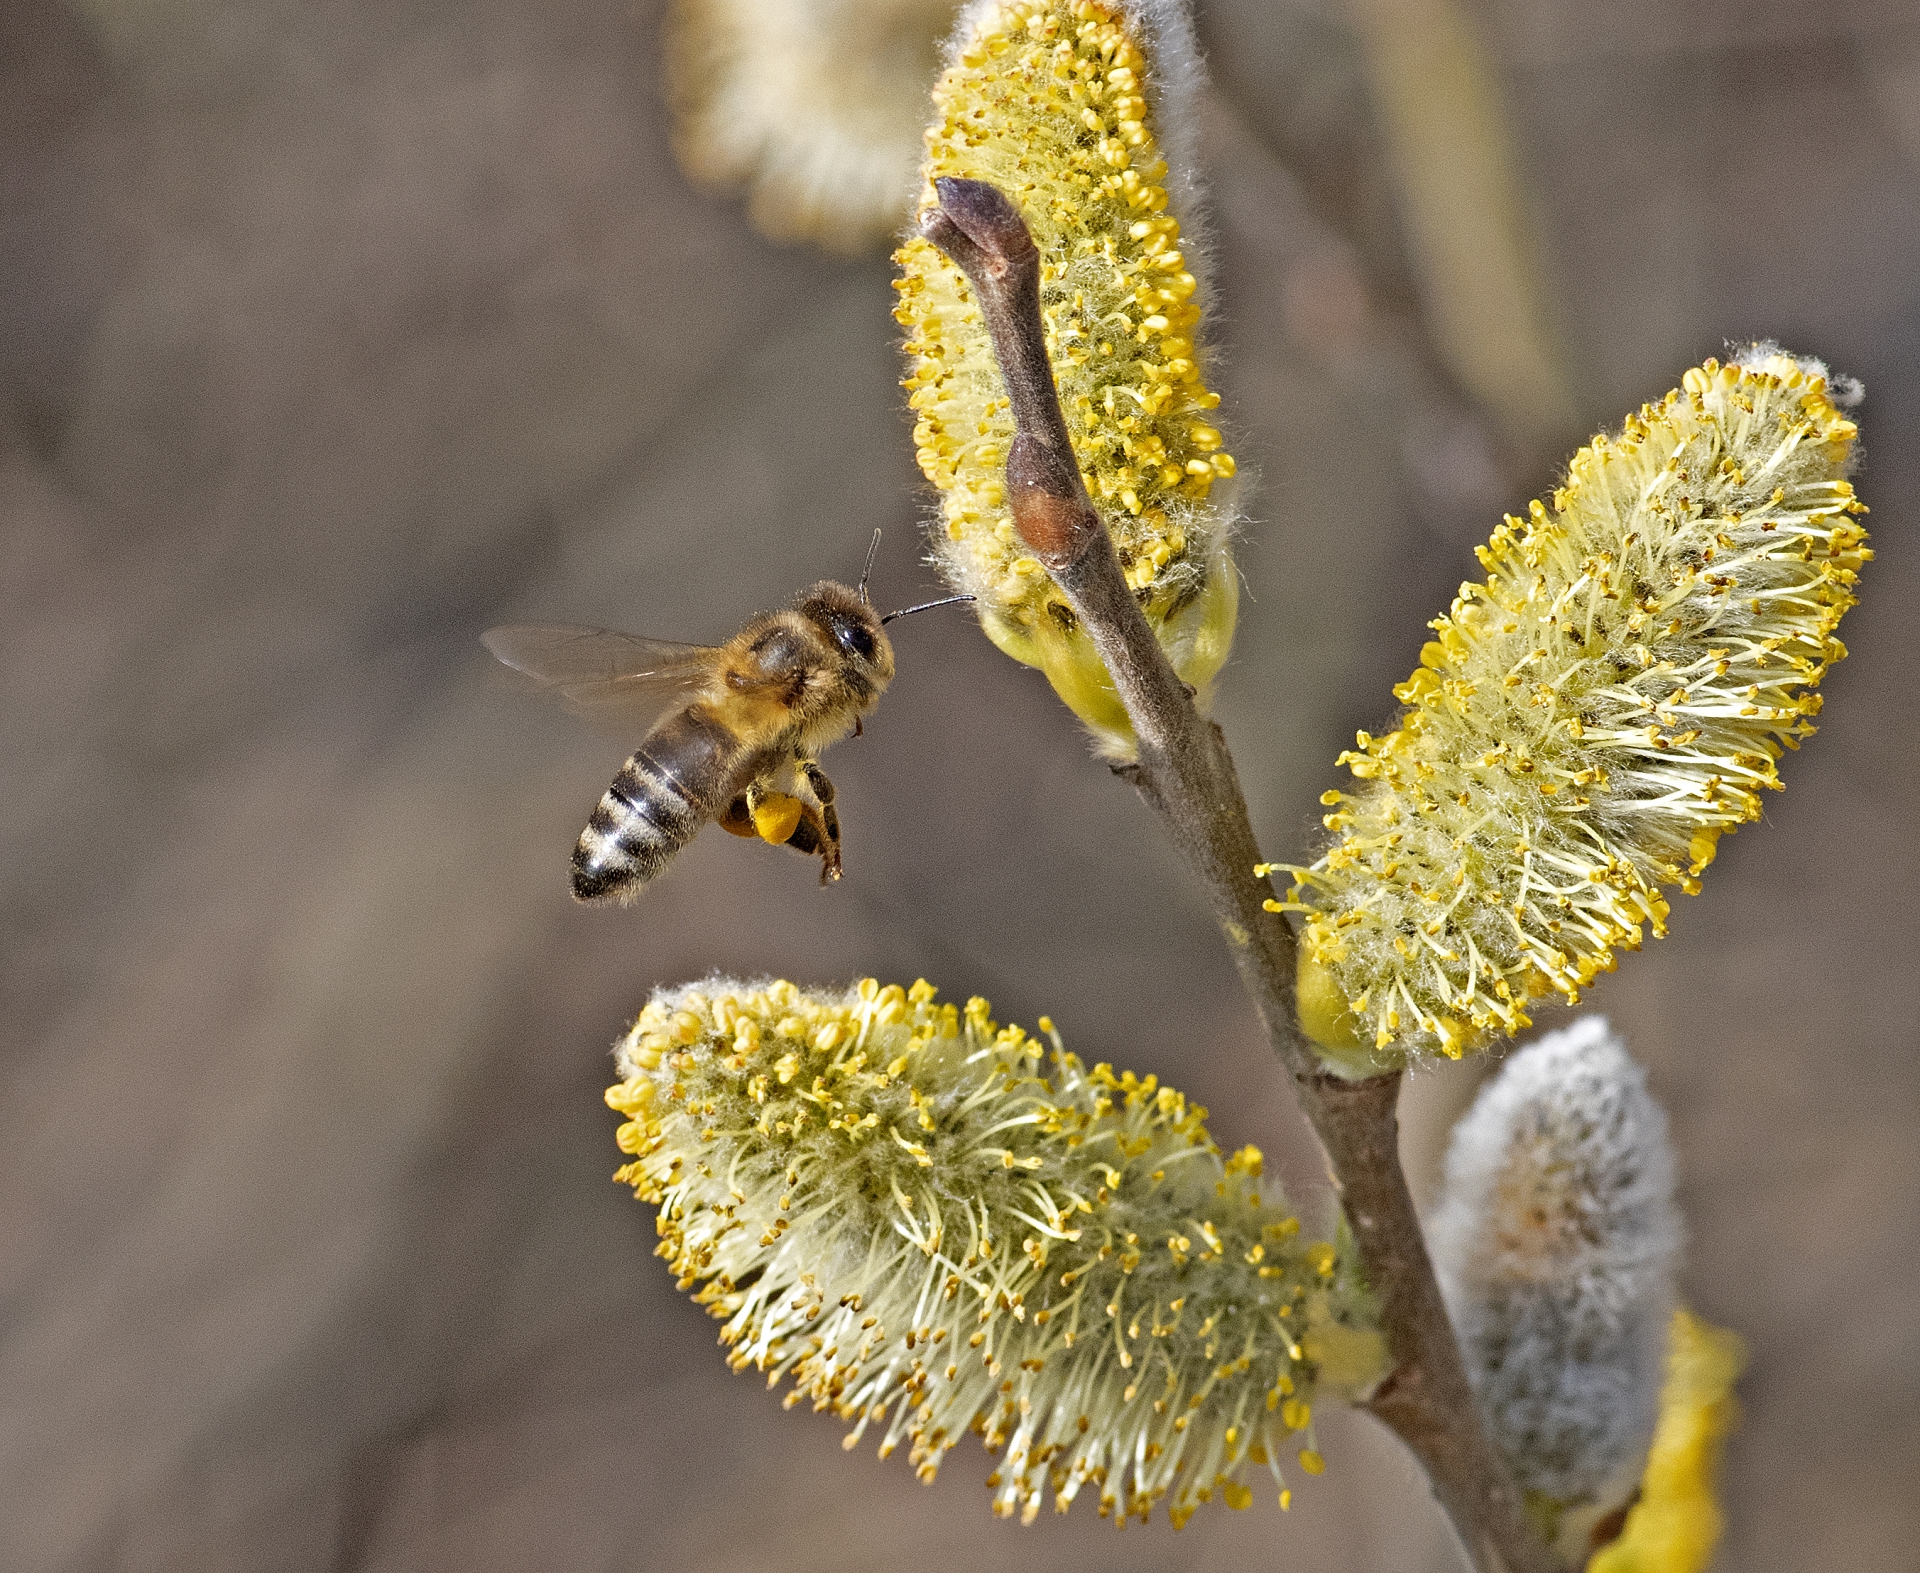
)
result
[(1461, 198)]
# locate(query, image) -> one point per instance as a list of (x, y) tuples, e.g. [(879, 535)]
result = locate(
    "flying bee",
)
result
[(742, 739)]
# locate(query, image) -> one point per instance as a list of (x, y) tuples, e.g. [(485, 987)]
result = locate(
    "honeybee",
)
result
[(742, 740)]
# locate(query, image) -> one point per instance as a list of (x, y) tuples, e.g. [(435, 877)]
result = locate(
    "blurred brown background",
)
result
[(332, 332)]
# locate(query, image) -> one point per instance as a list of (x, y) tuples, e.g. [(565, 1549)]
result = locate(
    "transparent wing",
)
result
[(600, 673)]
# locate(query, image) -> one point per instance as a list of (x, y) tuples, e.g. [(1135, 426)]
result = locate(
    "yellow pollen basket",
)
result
[(776, 816), (1056, 103)]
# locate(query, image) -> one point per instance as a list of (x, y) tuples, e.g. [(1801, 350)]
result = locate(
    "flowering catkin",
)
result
[(815, 106), (891, 1203), (1079, 111), (1590, 719), (1556, 1244)]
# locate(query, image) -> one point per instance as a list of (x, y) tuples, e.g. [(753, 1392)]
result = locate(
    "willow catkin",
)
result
[(896, 1206), (1080, 111), (1589, 719), (1676, 1523), (1557, 1242), (814, 107)]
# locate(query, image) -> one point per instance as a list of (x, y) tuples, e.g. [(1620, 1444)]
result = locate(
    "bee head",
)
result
[(851, 626)]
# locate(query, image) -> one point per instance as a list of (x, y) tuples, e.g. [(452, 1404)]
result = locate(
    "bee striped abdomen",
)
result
[(686, 771)]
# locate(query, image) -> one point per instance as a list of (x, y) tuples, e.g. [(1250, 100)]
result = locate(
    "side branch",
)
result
[(1187, 776)]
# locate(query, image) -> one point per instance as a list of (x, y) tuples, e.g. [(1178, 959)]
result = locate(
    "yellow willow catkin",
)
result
[(1069, 107), (1589, 719), (894, 1204)]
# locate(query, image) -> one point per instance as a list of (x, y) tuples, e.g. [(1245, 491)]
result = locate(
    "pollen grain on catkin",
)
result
[(1590, 719), (897, 1205), (1079, 111)]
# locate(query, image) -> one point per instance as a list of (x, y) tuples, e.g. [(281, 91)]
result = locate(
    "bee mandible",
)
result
[(742, 737)]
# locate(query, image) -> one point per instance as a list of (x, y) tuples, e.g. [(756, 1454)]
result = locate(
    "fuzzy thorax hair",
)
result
[(1590, 718), (899, 1207), (1079, 111)]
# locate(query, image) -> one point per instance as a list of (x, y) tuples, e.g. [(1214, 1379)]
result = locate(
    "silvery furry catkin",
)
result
[(1556, 1243)]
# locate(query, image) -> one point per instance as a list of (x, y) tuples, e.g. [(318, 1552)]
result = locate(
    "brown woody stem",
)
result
[(1187, 777)]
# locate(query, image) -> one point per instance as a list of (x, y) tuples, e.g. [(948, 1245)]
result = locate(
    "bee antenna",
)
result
[(871, 550), (926, 606)]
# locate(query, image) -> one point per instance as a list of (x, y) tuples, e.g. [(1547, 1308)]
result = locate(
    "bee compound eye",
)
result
[(855, 639)]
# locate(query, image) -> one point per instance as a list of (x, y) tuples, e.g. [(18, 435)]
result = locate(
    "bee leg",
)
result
[(806, 836), (817, 831), (823, 820), (793, 807), (738, 818)]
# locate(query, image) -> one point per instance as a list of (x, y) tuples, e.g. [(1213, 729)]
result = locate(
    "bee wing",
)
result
[(600, 673)]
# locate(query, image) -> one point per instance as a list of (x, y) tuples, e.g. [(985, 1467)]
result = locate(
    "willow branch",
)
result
[(1187, 777)]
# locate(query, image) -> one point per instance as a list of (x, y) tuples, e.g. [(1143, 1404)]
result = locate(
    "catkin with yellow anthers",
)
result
[(1590, 718), (814, 106), (1073, 109), (897, 1205)]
